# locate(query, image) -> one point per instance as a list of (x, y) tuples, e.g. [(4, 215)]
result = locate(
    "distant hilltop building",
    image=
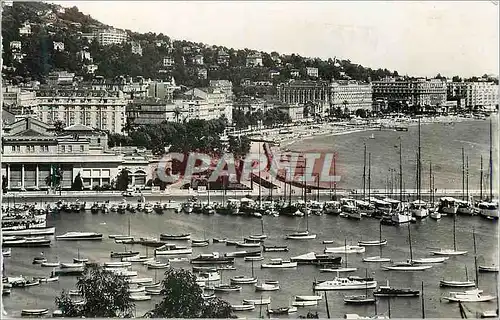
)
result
[(254, 60), (312, 72), (136, 48), (107, 36), (223, 58), (58, 46)]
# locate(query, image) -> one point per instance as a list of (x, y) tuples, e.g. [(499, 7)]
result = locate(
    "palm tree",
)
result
[(346, 110)]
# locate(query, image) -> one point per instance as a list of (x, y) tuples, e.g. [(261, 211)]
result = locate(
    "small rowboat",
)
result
[(359, 299), (308, 298), (430, 260), (243, 280), (282, 310), (243, 307), (50, 264), (488, 268), (157, 265), (338, 269), (139, 280), (304, 303), (257, 302), (34, 312), (137, 289), (267, 287), (227, 288), (376, 259), (258, 258), (153, 292), (372, 242), (452, 283)]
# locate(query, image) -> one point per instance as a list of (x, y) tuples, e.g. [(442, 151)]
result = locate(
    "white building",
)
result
[(162, 89), (15, 45), (351, 95), (111, 36), (481, 94), (202, 73), (225, 85), (205, 103), (103, 110), (58, 46), (90, 68), (19, 101), (254, 60), (136, 48), (273, 73), (25, 30), (312, 72), (60, 77), (198, 59), (83, 55), (168, 62)]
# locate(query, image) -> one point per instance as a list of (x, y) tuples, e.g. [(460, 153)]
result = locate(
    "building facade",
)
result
[(475, 95), (312, 72), (351, 95), (108, 36), (303, 91), (100, 109), (419, 92), (254, 60), (162, 89), (225, 85)]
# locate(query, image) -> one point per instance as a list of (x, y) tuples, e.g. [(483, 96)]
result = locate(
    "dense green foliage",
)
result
[(184, 299), (105, 295), (269, 118), (196, 135), (122, 180), (77, 184)]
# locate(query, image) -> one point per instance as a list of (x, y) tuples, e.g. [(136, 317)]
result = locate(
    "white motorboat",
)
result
[(267, 287), (489, 209), (401, 217), (208, 276), (279, 263), (258, 302), (243, 280), (80, 236), (137, 258), (308, 298), (305, 303), (154, 292), (430, 260), (7, 252), (475, 295), (344, 284), (29, 231), (345, 249), (448, 205), (436, 215), (124, 273), (243, 307), (248, 244), (172, 249), (226, 288), (418, 209)]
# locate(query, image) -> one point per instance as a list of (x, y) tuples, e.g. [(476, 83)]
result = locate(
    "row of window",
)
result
[(69, 149), (31, 148)]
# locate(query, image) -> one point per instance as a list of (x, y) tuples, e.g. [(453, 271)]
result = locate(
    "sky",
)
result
[(419, 38)]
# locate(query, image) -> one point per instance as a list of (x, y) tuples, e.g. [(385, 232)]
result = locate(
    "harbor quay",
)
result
[(30, 197)]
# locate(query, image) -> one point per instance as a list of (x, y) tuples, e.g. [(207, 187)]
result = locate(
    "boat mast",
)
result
[(290, 186), (364, 172), (481, 181), (423, 302), (430, 180), (463, 174), (366, 283), (467, 178), (409, 240), (454, 233), (208, 192), (345, 251), (475, 257), (491, 161), (419, 168), (380, 238), (335, 175), (318, 188), (260, 183), (369, 175), (400, 175)]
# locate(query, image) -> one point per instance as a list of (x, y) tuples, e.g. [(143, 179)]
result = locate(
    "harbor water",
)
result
[(441, 144)]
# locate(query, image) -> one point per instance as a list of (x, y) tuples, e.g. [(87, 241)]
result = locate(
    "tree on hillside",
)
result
[(105, 295), (183, 299)]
